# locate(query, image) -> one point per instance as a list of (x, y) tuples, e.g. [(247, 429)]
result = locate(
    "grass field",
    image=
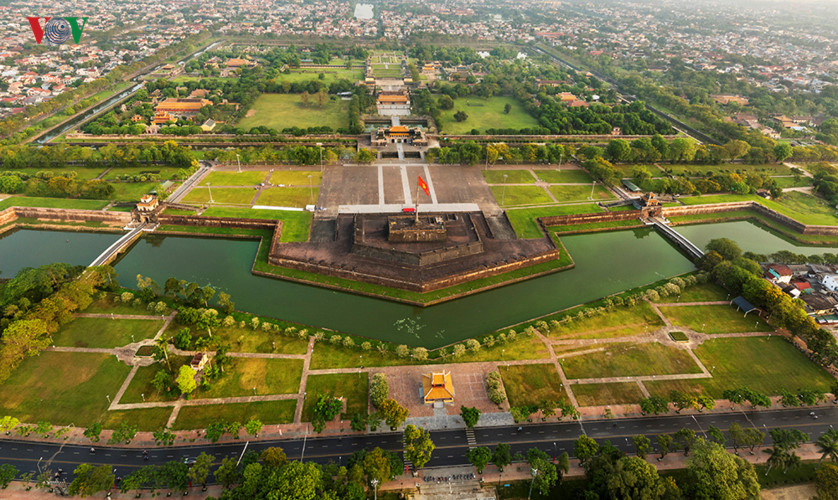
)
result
[(247, 178), (523, 220), (238, 196), (512, 196), (96, 332), (164, 172), (249, 340), (131, 191), (62, 388), (705, 292), (564, 176), (146, 419), (580, 193), (352, 387), (288, 197), (330, 75), (787, 182), (140, 389), (630, 360), (715, 319), (297, 177), (531, 384), (268, 376), (269, 412), (82, 173), (616, 322), (485, 114), (281, 111), (106, 305), (295, 225), (802, 207), (763, 364), (512, 177), (703, 170), (607, 394), (27, 201)]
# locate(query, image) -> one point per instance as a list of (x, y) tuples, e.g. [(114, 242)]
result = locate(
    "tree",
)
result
[(297, 480), (393, 413), (507, 108), (782, 151), (274, 456), (479, 457), (715, 473), (685, 438), (725, 247), (737, 149), (585, 448), (470, 416), (654, 404), (664, 442), (717, 435), (461, 116), (417, 446), (89, 479), (826, 482), (186, 380), (633, 477), (753, 438), (618, 150), (546, 475), (93, 432), (376, 465), (379, 389), (502, 456), (253, 426), (325, 409), (199, 471), (124, 433), (227, 473), (164, 437), (642, 444), (827, 444), (8, 473)]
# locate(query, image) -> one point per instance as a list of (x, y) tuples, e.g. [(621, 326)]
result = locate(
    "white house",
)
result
[(830, 282)]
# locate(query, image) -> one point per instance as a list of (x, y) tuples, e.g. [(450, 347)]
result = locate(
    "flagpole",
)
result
[(416, 210)]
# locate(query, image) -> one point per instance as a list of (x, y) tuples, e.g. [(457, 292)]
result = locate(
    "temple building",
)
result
[(437, 388), (182, 107), (398, 134)]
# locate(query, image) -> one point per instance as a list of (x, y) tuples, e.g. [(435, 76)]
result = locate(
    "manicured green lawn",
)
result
[(607, 394), (512, 177), (787, 182), (32, 201), (140, 389), (288, 197), (269, 412), (531, 384), (633, 319), (715, 319), (630, 360), (238, 196), (96, 332), (763, 364), (523, 220), (246, 178), (596, 225), (512, 196), (281, 111), (297, 177), (131, 191), (295, 225), (562, 176), (164, 172), (352, 387), (702, 170), (330, 75), (580, 193), (268, 376), (81, 173), (485, 114), (716, 198), (524, 347), (249, 340), (801, 207), (705, 292), (146, 419), (62, 388), (106, 305), (326, 355)]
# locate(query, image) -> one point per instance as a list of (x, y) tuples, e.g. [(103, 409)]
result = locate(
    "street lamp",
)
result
[(239, 163), (534, 473), (503, 192), (593, 185), (374, 483), (210, 192), (109, 398)]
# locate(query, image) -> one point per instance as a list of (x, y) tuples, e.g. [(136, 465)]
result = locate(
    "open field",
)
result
[(630, 360), (81, 173), (249, 340), (564, 176), (330, 75), (62, 388), (297, 177), (146, 419), (512, 177), (288, 197), (616, 322), (140, 389), (269, 412), (31, 201), (165, 173), (295, 225), (802, 207), (485, 114), (715, 319), (352, 387), (607, 394), (523, 220), (512, 196), (281, 111), (531, 384), (763, 364), (201, 194), (131, 191), (580, 193), (703, 170), (705, 292), (96, 332), (787, 182), (267, 376), (246, 178)]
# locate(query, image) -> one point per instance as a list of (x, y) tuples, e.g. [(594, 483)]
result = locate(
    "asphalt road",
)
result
[(451, 445)]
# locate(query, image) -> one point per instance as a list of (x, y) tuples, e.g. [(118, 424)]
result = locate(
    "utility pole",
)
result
[(534, 473)]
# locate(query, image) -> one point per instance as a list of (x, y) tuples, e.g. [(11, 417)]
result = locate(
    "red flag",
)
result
[(424, 186)]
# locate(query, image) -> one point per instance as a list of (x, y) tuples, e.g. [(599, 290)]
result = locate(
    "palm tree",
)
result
[(827, 445), (776, 458), (161, 345)]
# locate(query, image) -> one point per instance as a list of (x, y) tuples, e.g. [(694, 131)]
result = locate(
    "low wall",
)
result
[(568, 220), (72, 215), (200, 221)]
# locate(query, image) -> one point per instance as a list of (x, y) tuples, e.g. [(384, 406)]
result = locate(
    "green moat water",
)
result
[(605, 263)]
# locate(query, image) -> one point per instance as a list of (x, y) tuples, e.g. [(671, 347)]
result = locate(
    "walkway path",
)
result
[(301, 394), (555, 360)]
